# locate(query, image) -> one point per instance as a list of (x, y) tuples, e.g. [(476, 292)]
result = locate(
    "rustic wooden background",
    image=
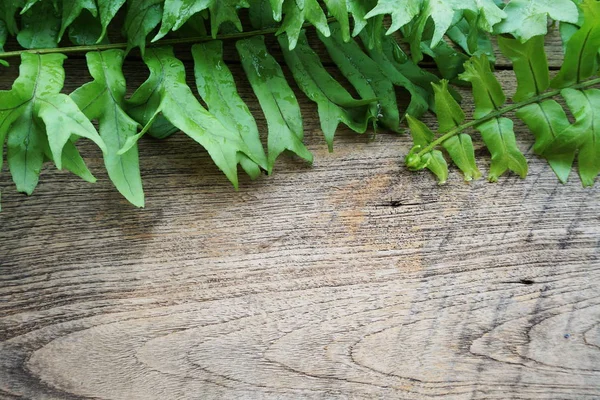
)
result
[(350, 279)]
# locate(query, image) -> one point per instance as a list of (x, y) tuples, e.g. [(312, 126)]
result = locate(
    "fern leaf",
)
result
[(546, 120), (276, 98), (584, 135), (443, 13), (581, 57), (8, 9), (71, 9), (449, 113), (497, 133), (103, 99), (528, 18), (166, 92), (403, 74), (450, 117), (40, 121), (217, 88), (3, 36), (372, 28), (335, 104), (222, 11), (40, 27), (295, 16), (107, 10), (433, 160), (339, 10), (530, 65), (178, 12), (365, 75), (142, 17)]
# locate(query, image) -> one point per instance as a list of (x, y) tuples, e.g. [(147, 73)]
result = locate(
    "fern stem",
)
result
[(166, 42), (501, 112)]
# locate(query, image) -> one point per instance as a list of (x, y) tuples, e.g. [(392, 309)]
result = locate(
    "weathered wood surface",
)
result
[(351, 279)]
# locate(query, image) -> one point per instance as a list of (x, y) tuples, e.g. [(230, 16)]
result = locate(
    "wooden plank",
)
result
[(354, 278)]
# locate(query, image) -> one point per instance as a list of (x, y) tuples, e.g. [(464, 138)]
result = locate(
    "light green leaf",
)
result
[(460, 149), (72, 161), (529, 63), (25, 151), (489, 14), (487, 92), (103, 99), (339, 10), (528, 18), (433, 160), (295, 16), (450, 114), (547, 120), (437, 164), (63, 118), (499, 137), (402, 12), (71, 9), (142, 17), (335, 104), (582, 136), (108, 9), (178, 12), (166, 92), (276, 98), (39, 120), (40, 27), (421, 134), (443, 13), (217, 88), (581, 57), (365, 75), (498, 133), (359, 10)]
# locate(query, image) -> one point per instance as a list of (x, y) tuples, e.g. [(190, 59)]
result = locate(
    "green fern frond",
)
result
[(557, 140), (41, 124)]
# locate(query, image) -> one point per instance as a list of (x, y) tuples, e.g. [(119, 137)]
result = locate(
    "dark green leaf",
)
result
[(40, 27), (108, 9), (334, 102), (217, 88), (365, 75), (295, 16), (276, 99), (71, 9)]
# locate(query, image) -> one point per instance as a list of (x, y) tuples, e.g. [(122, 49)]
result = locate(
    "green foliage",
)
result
[(557, 139), (39, 123), (42, 123)]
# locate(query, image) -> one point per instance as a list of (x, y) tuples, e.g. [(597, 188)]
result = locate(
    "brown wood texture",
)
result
[(350, 279)]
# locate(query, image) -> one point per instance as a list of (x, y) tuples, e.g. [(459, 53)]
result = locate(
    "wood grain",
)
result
[(350, 279)]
